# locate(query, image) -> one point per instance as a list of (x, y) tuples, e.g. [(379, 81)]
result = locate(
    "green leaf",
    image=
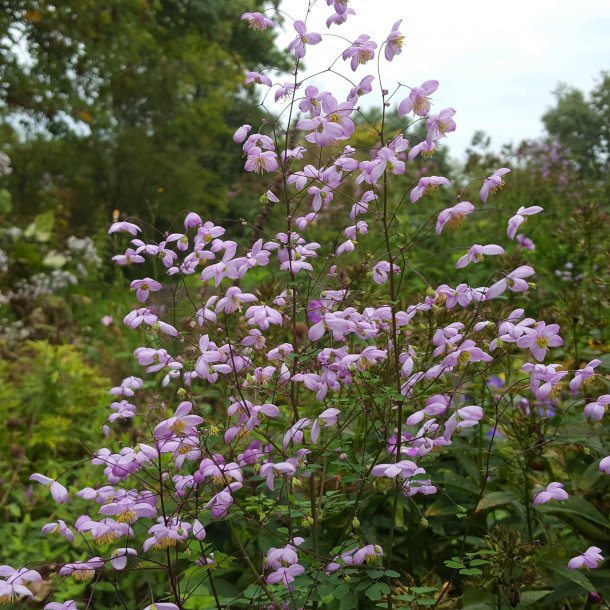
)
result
[(531, 597), (341, 591), (575, 576), (6, 202), (376, 590), (496, 498)]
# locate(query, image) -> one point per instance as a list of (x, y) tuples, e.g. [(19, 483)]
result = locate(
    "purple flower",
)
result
[(259, 161), (440, 124), (493, 183), (339, 18), (514, 281), (394, 42), (323, 132), (361, 89), (604, 465), (269, 470), (582, 375), (82, 570), (285, 575), (525, 242), (298, 45), (166, 534), (454, 216), (596, 410), (258, 78), (58, 491), (162, 606), (520, 217), (143, 287), (242, 133), (328, 417), (128, 227), (539, 338), (60, 528), (589, 559), (418, 101), (361, 51), (233, 299), (381, 270), (69, 605), (257, 21), (476, 254), (118, 557), (554, 491), (426, 185), (544, 380), (220, 503)]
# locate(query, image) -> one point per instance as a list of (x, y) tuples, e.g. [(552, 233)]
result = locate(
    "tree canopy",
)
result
[(126, 104)]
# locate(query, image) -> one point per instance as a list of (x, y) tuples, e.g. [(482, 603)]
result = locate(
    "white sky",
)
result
[(497, 62)]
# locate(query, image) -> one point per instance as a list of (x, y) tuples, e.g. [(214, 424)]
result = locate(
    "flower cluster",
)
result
[(325, 377)]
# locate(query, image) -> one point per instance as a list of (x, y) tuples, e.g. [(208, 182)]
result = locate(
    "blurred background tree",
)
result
[(125, 104), (582, 124)]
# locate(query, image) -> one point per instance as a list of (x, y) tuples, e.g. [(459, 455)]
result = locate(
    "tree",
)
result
[(125, 104), (582, 124)]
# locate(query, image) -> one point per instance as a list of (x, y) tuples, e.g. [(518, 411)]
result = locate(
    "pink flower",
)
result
[(107, 320), (589, 559), (519, 218), (493, 183), (418, 101), (298, 45), (554, 491)]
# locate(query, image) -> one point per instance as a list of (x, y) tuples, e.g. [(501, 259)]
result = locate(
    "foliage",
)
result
[(118, 105), (346, 402)]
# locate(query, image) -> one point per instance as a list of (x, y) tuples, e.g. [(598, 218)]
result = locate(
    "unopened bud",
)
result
[(355, 523), (181, 393), (307, 522)]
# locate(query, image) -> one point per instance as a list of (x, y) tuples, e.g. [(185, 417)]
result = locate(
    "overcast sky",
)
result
[(497, 63)]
